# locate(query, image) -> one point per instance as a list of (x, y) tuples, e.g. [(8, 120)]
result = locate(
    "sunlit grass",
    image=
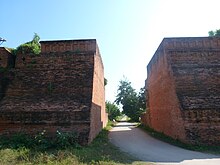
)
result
[(100, 151)]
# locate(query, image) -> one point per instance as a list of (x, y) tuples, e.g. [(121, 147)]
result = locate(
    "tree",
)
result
[(32, 46), (112, 110), (124, 90), (132, 103), (214, 33), (105, 81), (142, 99)]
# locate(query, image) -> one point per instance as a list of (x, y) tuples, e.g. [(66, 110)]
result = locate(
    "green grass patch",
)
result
[(22, 149), (40, 141), (165, 138)]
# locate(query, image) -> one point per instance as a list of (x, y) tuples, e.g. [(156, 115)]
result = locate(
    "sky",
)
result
[(128, 32)]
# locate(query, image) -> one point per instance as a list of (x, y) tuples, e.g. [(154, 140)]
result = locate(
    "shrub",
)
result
[(31, 47), (40, 141), (66, 139)]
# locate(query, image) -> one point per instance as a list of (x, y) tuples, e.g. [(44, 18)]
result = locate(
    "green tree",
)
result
[(124, 90), (214, 33), (105, 81), (32, 47), (112, 110), (142, 99), (133, 104)]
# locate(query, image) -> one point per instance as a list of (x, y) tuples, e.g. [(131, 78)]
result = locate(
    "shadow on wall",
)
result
[(5, 79), (95, 121)]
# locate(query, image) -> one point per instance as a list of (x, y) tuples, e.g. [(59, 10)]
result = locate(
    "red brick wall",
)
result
[(6, 59), (68, 45), (164, 113), (98, 98), (197, 78), (184, 90), (54, 90)]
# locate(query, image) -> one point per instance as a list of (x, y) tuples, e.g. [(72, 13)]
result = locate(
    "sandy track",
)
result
[(138, 143)]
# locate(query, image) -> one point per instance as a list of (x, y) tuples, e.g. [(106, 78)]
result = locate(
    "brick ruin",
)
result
[(6, 58), (62, 89), (183, 90)]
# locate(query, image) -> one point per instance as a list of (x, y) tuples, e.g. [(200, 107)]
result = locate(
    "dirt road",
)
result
[(139, 144)]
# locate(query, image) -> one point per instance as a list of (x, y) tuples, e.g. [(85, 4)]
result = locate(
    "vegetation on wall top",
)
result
[(31, 47), (214, 33)]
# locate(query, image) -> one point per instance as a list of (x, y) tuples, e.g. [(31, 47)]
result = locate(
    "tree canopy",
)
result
[(214, 33), (105, 81), (112, 110), (133, 103)]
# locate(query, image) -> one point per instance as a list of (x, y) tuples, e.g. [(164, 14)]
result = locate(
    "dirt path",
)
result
[(138, 143)]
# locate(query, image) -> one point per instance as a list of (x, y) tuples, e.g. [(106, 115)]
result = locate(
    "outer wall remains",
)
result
[(6, 58), (183, 87), (60, 89), (98, 116)]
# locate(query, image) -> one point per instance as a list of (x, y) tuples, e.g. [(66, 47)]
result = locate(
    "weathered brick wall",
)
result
[(98, 98), (197, 77), (186, 71), (69, 45), (51, 91), (163, 108), (6, 58), (6, 62)]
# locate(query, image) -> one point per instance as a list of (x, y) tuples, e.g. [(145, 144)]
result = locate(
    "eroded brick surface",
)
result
[(184, 90), (6, 58), (56, 90)]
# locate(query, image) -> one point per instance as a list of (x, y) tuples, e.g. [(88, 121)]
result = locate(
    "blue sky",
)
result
[(128, 31)]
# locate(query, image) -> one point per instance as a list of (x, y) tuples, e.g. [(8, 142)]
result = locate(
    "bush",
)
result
[(66, 139), (31, 47), (40, 141), (16, 141)]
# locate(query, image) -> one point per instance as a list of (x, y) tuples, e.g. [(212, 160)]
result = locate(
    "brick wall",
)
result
[(6, 58), (184, 90), (163, 108), (69, 45), (6, 62), (52, 91), (98, 98)]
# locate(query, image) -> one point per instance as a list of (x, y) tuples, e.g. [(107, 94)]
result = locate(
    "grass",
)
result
[(100, 151), (163, 137)]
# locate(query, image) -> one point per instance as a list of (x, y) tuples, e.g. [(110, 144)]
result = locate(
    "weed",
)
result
[(100, 151), (66, 139), (77, 51), (41, 141), (3, 70), (33, 61), (50, 87), (30, 66)]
